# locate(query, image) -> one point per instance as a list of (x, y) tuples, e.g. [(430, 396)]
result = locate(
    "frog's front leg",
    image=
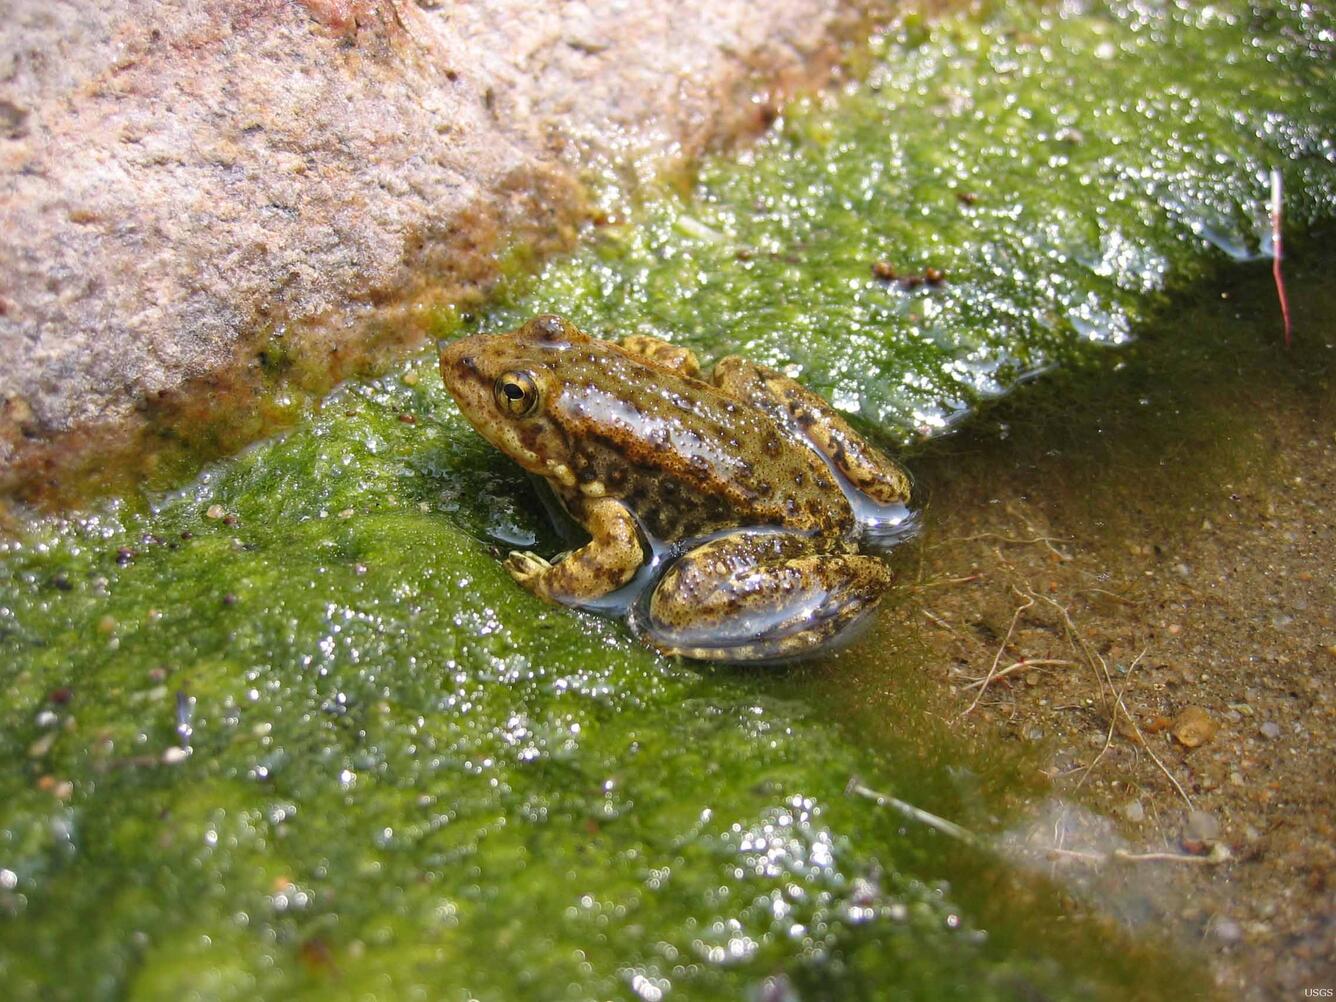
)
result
[(671, 356), (799, 409), (760, 596), (609, 560)]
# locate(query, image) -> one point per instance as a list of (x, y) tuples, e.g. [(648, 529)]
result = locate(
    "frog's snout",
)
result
[(459, 366), (455, 354)]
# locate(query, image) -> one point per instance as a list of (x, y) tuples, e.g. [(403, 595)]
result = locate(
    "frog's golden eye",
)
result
[(516, 394)]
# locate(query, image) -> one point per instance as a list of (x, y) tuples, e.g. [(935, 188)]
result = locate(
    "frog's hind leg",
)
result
[(879, 487), (680, 360), (760, 597)]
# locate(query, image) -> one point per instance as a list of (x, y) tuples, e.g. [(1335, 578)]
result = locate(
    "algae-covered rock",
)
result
[(994, 197), (309, 738)]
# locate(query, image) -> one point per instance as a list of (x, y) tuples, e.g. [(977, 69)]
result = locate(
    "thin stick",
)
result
[(1278, 251), (1006, 539), (1156, 759), (941, 583), (940, 621), (1113, 595), (1078, 641), (1113, 720), (913, 813), (1023, 663), (992, 671), (1220, 854)]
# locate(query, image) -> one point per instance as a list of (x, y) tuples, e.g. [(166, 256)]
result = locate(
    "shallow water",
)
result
[(292, 729)]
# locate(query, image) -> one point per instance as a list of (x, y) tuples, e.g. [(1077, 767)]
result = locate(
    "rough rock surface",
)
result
[(183, 183)]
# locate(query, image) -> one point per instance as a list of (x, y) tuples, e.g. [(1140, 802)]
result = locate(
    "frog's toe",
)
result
[(524, 566)]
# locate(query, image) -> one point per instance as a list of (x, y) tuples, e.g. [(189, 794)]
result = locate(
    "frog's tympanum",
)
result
[(730, 516)]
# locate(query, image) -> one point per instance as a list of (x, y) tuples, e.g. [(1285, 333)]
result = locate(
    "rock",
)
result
[(1227, 931), (1134, 812), (1200, 831), (1194, 727), (40, 747), (185, 190), (1270, 730)]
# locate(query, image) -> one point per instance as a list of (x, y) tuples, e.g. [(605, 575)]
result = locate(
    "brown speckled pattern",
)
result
[(628, 436)]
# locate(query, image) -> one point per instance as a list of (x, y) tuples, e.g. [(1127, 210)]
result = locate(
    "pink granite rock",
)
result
[(182, 180)]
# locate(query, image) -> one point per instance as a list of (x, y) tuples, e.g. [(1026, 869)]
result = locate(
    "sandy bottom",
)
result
[(1136, 575)]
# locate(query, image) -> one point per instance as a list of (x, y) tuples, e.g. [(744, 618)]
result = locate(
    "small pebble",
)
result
[(1134, 812), (1200, 832), (1227, 931), (1194, 727), (40, 747), (215, 512), (1270, 730)]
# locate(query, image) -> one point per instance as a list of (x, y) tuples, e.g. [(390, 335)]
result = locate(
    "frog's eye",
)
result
[(516, 394)]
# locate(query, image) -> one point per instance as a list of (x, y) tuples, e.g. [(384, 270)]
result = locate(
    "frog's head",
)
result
[(505, 384)]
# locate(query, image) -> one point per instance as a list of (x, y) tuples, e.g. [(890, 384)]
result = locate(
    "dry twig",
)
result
[(992, 671), (1017, 666)]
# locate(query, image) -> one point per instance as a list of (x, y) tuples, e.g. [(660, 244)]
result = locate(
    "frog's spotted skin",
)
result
[(741, 504)]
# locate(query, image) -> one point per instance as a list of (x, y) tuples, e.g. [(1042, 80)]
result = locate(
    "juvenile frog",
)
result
[(729, 517)]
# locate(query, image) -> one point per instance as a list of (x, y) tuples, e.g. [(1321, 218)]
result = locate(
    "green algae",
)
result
[(291, 730), (1060, 173)]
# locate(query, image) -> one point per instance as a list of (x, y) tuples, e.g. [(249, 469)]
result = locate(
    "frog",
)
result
[(733, 516)]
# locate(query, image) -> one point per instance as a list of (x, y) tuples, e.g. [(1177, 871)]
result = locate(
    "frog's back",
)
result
[(684, 456)]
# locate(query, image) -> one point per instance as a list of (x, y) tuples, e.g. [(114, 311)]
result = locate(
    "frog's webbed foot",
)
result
[(883, 508), (524, 566), (760, 596), (604, 564), (671, 356)]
